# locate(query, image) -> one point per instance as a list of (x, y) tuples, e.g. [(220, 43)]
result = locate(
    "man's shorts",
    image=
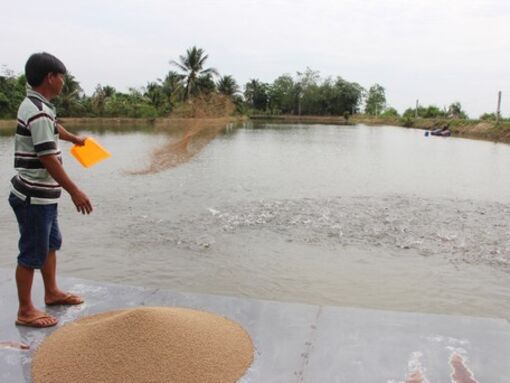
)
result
[(39, 231)]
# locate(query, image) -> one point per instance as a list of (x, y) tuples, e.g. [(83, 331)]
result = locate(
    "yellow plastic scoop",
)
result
[(90, 153)]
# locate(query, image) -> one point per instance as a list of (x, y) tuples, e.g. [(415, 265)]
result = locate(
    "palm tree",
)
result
[(192, 65), (101, 96), (68, 99), (227, 85), (154, 92), (255, 93), (173, 87)]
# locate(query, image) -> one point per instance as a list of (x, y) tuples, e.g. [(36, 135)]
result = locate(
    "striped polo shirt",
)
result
[(36, 136)]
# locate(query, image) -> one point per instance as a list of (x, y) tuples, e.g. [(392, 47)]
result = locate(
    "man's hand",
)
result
[(82, 202), (66, 136), (80, 141), (54, 167)]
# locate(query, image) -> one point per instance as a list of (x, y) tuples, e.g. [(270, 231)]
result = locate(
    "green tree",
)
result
[(135, 99), (347, 97), (205, 84), (117, 106), (99, 98), (430, 111), (282, 95), (173, 88), (327, 98), (155, 94), (455, 111), (12, 93), (68, 101), (376, 100), (409, 113), (192, 66), (308, 91), (488, 117), (390, 112), (256, 94), (4, 103), (227, 86)]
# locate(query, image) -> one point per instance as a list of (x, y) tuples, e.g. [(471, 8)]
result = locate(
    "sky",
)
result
[(437, 52)]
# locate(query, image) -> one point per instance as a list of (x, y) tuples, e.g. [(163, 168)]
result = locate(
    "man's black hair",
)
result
[(39, 65)]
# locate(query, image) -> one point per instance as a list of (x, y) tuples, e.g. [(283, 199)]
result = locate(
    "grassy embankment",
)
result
[(484, 130)]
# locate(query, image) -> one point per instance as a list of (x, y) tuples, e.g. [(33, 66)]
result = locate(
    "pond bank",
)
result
[(484, 130), (112, 124)]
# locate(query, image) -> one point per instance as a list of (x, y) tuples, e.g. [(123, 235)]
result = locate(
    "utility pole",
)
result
[(498, 111), (416, 110)]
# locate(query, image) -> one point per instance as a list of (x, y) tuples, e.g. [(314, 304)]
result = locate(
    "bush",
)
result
[(407, 121), (390, 112), (145, 111), (488, 117)]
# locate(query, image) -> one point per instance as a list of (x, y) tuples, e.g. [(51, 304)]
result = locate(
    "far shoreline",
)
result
[(482, 130)]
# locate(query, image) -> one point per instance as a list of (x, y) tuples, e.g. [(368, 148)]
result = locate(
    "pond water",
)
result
[(378, 217)]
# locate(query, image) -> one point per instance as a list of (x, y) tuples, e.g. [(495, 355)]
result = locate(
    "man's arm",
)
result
[(55, 168), (67, 136)]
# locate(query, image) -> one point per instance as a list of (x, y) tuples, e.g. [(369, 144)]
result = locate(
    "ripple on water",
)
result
[(459, 230)]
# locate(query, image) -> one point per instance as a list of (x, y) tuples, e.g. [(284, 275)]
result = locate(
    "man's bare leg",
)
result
[(27, 311), (52, 294)]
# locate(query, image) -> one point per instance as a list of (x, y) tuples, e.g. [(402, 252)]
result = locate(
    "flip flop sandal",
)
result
[(68, 300), (36, 322)]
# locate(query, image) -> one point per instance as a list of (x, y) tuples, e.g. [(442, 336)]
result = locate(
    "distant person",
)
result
[(36, 188), (443, 132)]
